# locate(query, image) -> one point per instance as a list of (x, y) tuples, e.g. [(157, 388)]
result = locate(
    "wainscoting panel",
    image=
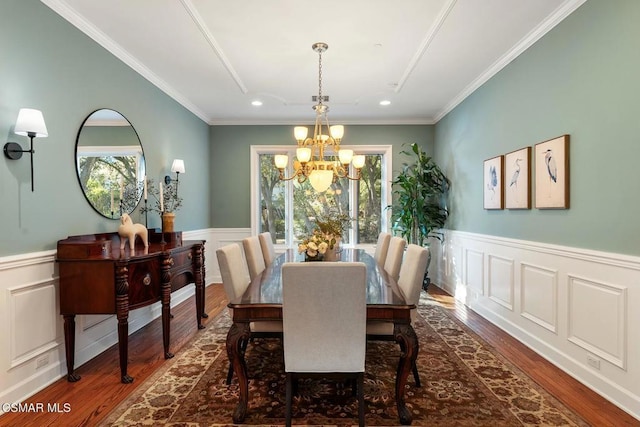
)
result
[(578, 308), (33, 353), (501, 281), (32, 339), (539, 296), (597, 319), (474, 277)]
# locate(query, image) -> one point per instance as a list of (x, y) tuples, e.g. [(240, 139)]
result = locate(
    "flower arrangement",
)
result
[(317, 244)]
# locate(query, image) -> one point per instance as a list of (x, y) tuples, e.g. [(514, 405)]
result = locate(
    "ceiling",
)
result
[(217, 56)]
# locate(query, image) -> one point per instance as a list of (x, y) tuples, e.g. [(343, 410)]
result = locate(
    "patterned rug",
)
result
[(464, 383)]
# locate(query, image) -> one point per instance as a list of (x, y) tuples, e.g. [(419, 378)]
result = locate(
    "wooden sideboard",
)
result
[(96, 277)]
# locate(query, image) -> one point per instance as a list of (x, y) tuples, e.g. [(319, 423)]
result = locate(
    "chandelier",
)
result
[(310, 160)]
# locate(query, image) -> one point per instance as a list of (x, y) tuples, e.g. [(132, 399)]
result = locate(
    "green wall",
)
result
[(49, 65), (230, 157), (581, 79)]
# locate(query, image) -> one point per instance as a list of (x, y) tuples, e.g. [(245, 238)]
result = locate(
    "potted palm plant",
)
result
[(419, 209)]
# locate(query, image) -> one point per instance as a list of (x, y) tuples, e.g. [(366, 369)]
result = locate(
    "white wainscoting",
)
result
[(32, 337), (578, 308)]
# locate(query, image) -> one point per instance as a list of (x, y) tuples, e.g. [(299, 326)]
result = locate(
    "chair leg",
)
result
[(360, 387), (230, 373), (289, 393), (416, 377)]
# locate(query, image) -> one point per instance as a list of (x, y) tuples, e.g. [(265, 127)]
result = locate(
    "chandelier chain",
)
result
[(320, 77)]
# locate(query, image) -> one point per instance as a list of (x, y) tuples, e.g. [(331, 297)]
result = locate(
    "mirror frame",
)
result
[(139, 192)]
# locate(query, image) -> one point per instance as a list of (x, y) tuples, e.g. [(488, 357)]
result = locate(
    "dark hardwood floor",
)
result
[(100, 391)]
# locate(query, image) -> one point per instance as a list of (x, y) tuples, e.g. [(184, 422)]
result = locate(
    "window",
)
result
[(287, 208)]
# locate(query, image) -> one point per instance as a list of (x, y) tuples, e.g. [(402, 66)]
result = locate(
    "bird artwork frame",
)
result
[(517, 172), (493, 183), (552, 173)]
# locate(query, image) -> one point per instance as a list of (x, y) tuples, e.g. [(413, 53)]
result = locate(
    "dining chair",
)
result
[(412, 273), (235, 280), (268, 251), (253, 254), (324, 312), (393, 261), (382, 246)]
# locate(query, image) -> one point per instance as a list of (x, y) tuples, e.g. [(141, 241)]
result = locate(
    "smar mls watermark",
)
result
[(56, 407)]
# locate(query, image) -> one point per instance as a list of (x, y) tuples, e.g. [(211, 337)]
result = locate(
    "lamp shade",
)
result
[(337, 132), (321, 180), (345, 156), (300, 133), (303, 154), (30, 121), (177, 166), (358, 161), (281, 161)]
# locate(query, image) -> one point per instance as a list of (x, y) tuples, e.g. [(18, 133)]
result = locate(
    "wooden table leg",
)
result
[(239, 333), (70, 346), (122, 314), (408, 341)]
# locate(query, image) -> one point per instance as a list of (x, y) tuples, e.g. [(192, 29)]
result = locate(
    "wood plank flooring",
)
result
[(100, 391)]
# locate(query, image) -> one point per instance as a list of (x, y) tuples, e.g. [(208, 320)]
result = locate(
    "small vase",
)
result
[(308, 258), (167, 221)]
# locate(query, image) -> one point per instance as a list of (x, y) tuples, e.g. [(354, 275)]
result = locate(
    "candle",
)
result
[(112, 209), (145, 187), (161, 198), (121, 187)]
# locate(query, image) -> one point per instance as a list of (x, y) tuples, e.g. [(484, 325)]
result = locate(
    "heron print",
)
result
[(552, 173), (517, 170), (493, 183)]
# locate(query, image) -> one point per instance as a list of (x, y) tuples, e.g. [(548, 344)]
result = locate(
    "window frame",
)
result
[(386, 151)]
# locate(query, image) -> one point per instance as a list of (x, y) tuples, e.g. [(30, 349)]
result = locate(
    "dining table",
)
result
[(262, 301)]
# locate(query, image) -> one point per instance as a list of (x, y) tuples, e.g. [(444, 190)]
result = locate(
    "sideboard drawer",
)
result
[(144, 283)]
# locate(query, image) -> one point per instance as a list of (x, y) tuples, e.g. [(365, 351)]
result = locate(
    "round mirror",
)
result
[(110, 163)]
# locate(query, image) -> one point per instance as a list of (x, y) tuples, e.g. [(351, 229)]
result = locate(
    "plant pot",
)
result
[(167, 222)]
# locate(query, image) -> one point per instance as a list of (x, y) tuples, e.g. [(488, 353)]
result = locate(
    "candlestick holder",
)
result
[(146, 217), (162, 241)]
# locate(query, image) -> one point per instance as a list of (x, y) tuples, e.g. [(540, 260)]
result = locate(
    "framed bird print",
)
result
[(552, 173), (517, 172), (493, 183)]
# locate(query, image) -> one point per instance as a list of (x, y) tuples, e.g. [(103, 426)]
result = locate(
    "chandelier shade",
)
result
[(311, 162)]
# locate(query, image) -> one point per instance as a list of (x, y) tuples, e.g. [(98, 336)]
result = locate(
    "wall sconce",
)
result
[(177, 167), (30, 123)]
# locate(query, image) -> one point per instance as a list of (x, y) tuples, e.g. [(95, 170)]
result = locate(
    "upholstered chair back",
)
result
[(253, 254), (394, 256), (233, 269), (268, 251), (324, 313), (382, 246), (412, 273)]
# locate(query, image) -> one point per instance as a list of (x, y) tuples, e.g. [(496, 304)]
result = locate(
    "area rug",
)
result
[(464, 383)]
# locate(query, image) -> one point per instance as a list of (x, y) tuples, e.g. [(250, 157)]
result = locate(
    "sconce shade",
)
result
[(30, 121), (177, 166)]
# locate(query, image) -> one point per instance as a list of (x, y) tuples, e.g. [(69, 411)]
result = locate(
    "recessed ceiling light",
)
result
[(256, 103), (385, 102)]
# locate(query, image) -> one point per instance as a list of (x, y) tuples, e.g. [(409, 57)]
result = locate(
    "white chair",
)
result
[(268, 251), (324, 312), (412, 273), (235, 279), (394, 256), (382, 246), (253, 254)]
